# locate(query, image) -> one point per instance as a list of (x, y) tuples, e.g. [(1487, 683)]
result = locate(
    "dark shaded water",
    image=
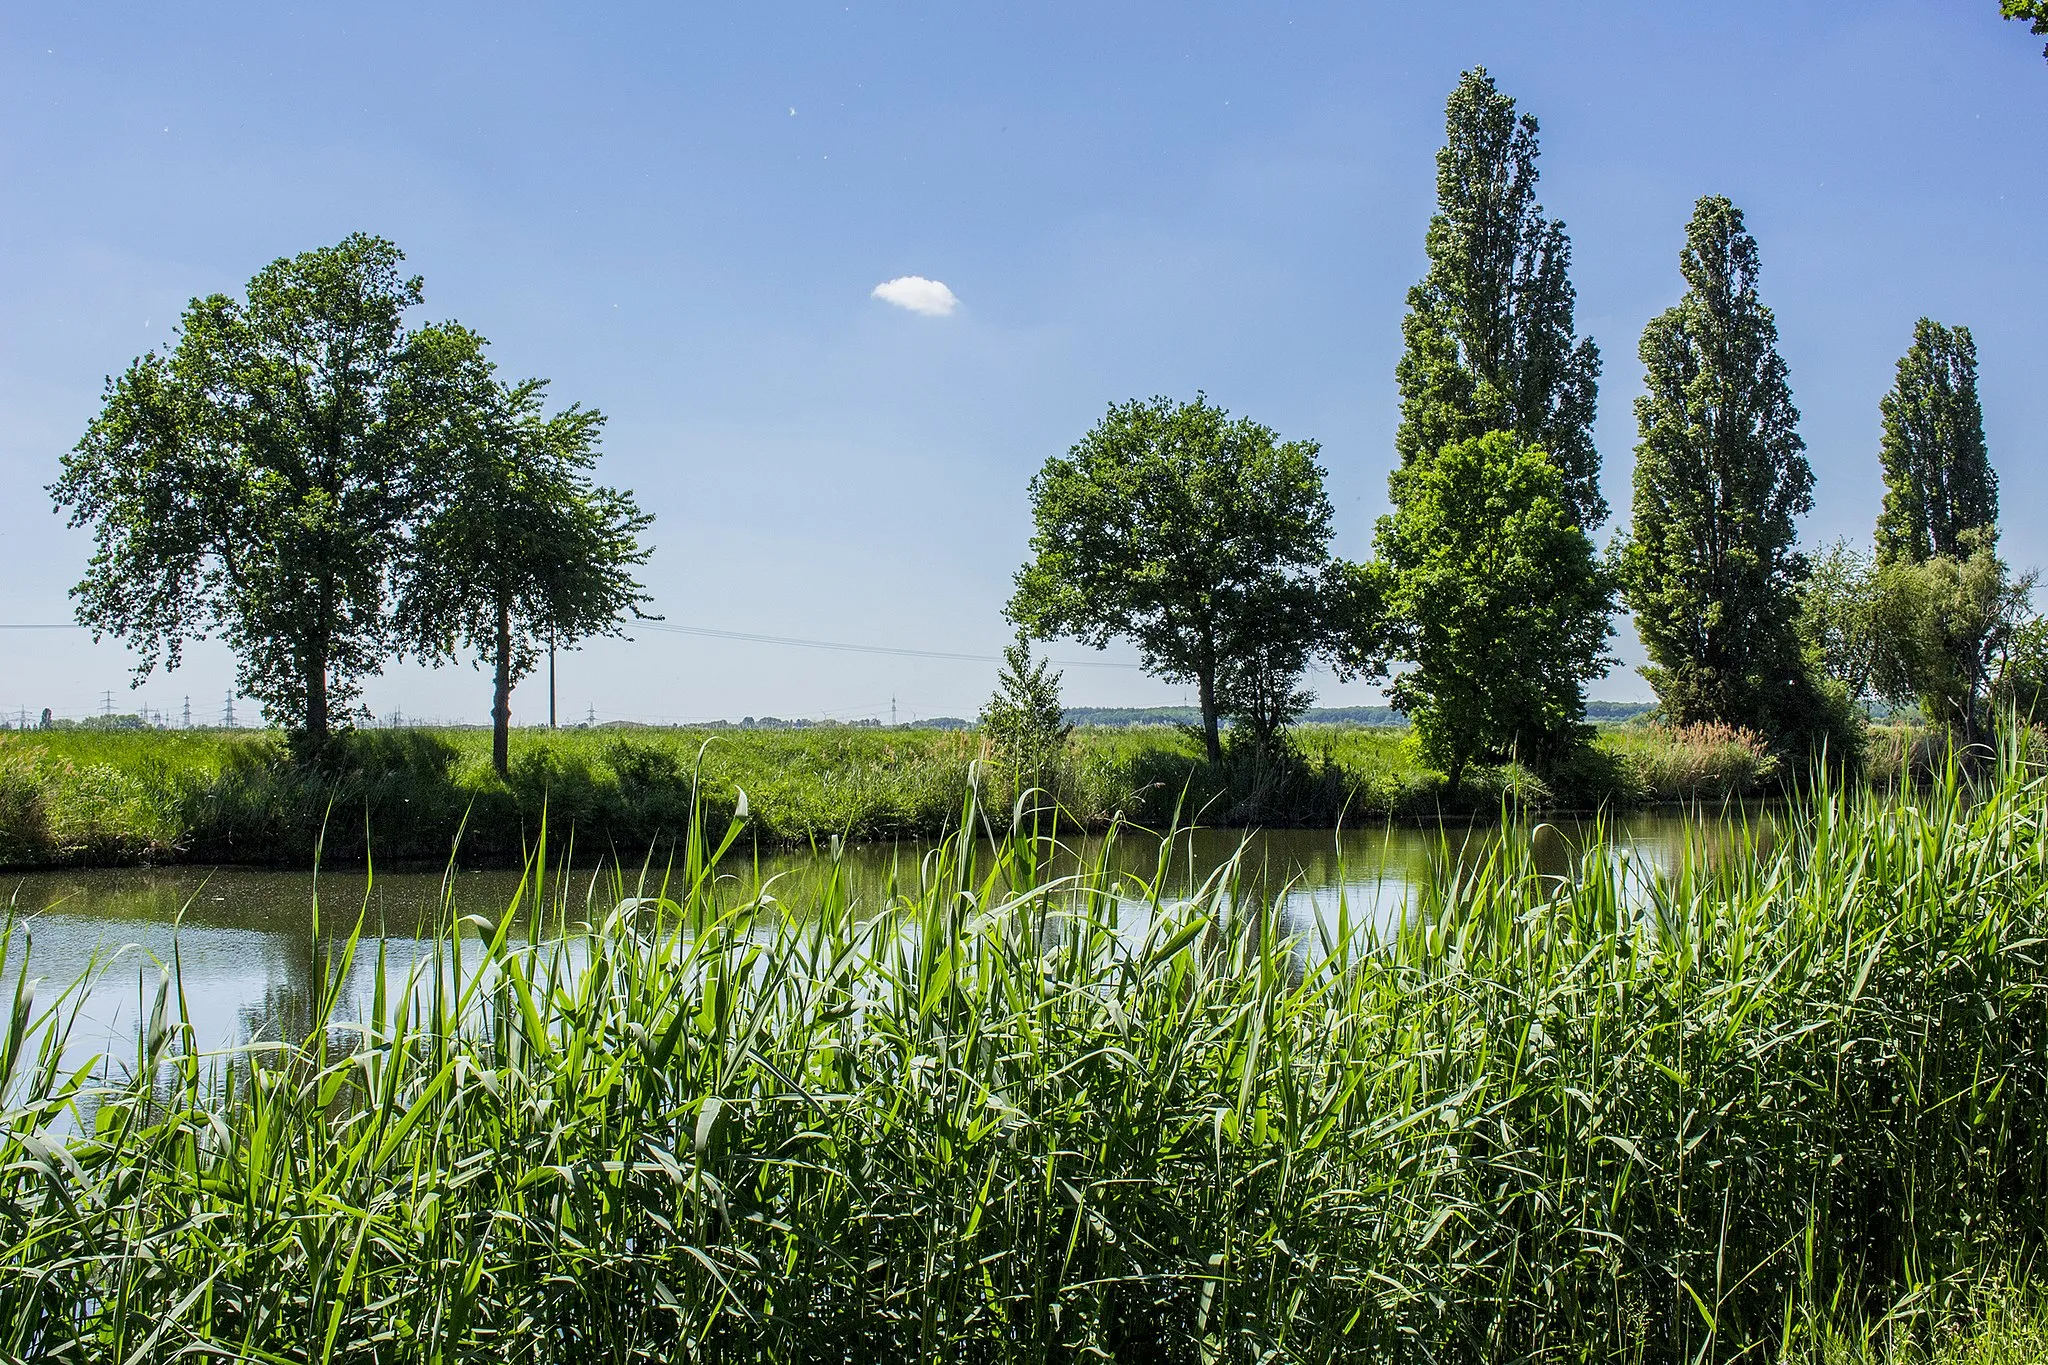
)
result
[(244, 940)]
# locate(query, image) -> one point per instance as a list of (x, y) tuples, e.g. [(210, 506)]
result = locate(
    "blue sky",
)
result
[(679, 213)]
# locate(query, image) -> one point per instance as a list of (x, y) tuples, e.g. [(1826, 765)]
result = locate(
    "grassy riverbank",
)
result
[(1784, 1106), (113, 796)]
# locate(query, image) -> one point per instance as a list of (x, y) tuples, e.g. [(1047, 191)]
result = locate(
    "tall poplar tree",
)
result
[(1490, 344), (1710, 570), (1940, 490), (1945, 603)]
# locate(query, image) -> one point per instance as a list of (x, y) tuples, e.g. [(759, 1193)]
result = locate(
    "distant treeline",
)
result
[(1106, 717), (1600, 712)]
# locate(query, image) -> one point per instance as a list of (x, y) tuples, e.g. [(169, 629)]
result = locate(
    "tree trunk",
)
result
[(316, 704), (501, 696), (316, 671), (1211, 740)]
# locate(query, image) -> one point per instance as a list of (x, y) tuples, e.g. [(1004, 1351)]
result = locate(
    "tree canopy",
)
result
[(1838, 619), (1943, 628), (2035, 10), (1490, 341), (1939, 488), (519, 550), (256, 478), (1934, 616), (1175, 526), (1495, 595), (1710, 570), (1284, 623)]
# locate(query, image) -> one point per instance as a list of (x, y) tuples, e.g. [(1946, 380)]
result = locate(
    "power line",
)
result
[(749, 637), (842, 647)]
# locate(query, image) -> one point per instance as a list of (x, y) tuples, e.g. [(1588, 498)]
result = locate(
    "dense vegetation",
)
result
[(1789, 1101), (1784, 1104), (322, 487), (97, 796), (1204, 539)]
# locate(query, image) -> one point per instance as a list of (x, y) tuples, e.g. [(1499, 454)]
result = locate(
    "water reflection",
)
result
[(245, 946)]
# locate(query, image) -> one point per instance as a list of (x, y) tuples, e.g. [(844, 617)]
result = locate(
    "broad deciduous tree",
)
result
[(1171, 524), (1944, 627), (1284, 624), (1838, 619), (1939, 488), (1710, 570), (256, 478), (519, 550), (1496, 596), (1490, 344)]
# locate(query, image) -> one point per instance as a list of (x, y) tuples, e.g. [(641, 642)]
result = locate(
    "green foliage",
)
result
[(1489, 332), (256, 479), (1944, 627), (1939, 486), (518, 551), (1769, 1100), (2022, 686), (1283, 624), (1710, 570), (1181, 529), (2000, 1320), (1024, 721), (1838, 619), (1955, 637), (1494, 593), (2036, 10)]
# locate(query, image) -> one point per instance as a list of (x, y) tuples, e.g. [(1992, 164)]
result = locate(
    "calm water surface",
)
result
[(244, 939)]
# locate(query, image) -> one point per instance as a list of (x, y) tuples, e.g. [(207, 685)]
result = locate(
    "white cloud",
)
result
[(918, 294)]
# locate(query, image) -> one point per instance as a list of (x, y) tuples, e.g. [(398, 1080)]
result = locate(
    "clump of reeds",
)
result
[(24, 822), (1706, 759), (1010, 1116)]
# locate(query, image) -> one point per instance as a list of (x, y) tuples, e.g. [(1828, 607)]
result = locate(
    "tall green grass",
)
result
[(1750, 1107)]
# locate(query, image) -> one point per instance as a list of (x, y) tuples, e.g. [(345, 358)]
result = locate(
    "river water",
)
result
[(243, 940)]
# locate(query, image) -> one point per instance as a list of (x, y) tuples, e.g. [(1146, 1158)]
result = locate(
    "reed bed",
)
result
[(1780, 1105)]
